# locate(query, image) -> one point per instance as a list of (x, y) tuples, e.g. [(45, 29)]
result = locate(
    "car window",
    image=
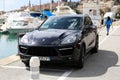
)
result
[(90, 21), (87, 21), (71, 23)]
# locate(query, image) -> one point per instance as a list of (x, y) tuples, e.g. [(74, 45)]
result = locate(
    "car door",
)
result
[(88, 32), (92, 35)]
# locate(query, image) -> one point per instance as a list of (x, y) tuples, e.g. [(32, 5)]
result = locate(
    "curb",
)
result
[(9, 60)]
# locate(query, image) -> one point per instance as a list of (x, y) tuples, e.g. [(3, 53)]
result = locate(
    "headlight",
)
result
[(24, 39), (69, 39)]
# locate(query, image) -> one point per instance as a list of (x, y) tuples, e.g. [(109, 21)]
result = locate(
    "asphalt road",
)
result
[(104, 65)]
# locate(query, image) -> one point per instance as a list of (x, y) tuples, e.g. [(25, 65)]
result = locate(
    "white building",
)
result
[(93, 10)]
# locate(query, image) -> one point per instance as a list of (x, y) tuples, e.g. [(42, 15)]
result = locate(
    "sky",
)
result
[(7, 5)]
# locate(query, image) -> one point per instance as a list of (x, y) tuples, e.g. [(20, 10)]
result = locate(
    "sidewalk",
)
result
[(114, 24), (8, 60)]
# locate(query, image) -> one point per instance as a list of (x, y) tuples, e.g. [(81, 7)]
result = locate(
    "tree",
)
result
[(52, 1), (107, 9), (32, 9), (78, 12), (117, 2), (65, 0), (102, 12), (117, 15)]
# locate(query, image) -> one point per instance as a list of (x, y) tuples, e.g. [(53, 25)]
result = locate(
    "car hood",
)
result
[(49, 36)]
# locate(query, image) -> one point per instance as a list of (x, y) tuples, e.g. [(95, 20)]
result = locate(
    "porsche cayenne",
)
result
[(67, 38)]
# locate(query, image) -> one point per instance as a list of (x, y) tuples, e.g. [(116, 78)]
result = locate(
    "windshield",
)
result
[(70, 23)]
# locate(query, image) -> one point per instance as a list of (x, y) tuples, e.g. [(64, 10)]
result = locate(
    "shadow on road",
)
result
[(97, 64)]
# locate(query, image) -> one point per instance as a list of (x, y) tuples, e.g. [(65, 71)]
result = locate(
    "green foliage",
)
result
[(117, 15), (117, 2), (107, 9), (102, 12), (47, 9), (52, 1), (65, 0), (32, 9), (78, 12), (73, 5)]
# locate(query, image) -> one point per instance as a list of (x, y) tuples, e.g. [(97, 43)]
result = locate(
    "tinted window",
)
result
[(90, 21), (87, 21), (71, 23)]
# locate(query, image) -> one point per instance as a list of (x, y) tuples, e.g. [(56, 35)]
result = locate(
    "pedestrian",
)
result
[(102, 22), (108, 23)]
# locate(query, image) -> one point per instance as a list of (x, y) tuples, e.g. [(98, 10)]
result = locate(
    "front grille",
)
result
[(42, 51), (47, 51)]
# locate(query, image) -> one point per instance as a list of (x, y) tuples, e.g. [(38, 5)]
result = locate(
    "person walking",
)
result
[(108, 23)]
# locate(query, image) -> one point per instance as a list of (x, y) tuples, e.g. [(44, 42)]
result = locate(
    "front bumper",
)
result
[(55, 53)]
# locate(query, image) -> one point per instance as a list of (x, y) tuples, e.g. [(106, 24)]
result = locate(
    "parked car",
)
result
[(66, 38)]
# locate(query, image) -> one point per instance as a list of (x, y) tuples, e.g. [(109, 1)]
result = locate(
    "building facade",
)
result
[(96, 0), (102, 3)]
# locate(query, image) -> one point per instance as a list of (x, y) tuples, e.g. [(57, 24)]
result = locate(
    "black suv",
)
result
[(60, 38)]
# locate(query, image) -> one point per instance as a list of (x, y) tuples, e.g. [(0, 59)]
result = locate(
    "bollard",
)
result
[(34, 68)]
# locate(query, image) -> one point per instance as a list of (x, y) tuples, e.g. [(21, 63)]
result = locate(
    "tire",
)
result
[(80, 62), (26, 64), (95, 49)]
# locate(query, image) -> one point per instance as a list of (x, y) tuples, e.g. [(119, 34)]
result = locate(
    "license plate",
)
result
[(44, 58)]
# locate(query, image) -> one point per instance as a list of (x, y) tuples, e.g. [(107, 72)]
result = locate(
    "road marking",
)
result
[(17, 67), (66, 74), (14, 67)]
